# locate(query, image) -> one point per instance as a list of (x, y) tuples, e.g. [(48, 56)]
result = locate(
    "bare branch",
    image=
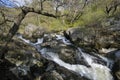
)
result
[(17, 22), (112, 7)]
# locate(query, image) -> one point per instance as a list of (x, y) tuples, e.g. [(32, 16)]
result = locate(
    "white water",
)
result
[(96, 71), (64, 40), (39, 40)]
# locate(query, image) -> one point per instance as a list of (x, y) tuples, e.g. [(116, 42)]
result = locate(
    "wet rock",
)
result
[(53, 75), (20, 70), (36, 70), (117, 62), (57, 75), (66, 53), (68, 75), (115, 55), (116, 70), (23, 57), (5, 73)]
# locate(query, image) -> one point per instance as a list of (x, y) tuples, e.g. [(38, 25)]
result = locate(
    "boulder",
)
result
[(97, 38), (29, 29), (53, 75), (82, 37), (34, 31), (115, 56), (116, 70), (80, 34)]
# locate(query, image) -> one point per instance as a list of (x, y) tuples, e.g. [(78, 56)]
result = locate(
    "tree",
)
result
[(15, 27), (73, 9), (112, 6), (69, 11)]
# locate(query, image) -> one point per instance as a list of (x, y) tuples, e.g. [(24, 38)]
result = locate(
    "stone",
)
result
[(53, 75), (117, 55), (97, 38), (29, 29), (34, 31)]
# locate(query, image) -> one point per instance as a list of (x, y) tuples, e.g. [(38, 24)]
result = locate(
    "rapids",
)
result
[(95, 71)]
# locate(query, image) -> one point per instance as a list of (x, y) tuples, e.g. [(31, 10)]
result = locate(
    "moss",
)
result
[(92, 17)]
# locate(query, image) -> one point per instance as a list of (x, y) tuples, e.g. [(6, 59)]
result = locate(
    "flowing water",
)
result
[(95, 71)]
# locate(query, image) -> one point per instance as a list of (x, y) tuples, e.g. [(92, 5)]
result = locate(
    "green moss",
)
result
[(92, 17)]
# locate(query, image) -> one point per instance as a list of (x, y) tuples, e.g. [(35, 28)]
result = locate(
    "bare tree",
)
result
[(112, 7), (15, 27), (73, 9)]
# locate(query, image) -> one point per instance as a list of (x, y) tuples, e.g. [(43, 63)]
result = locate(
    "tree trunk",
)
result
[(11, 33), (15, 27)]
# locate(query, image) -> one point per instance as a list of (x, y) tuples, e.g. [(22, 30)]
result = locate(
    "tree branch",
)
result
[(16, 24)]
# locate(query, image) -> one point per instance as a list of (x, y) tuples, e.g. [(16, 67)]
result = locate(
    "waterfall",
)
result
[(96, 71)]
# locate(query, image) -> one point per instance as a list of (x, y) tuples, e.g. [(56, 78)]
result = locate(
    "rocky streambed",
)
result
[(75, 54)]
